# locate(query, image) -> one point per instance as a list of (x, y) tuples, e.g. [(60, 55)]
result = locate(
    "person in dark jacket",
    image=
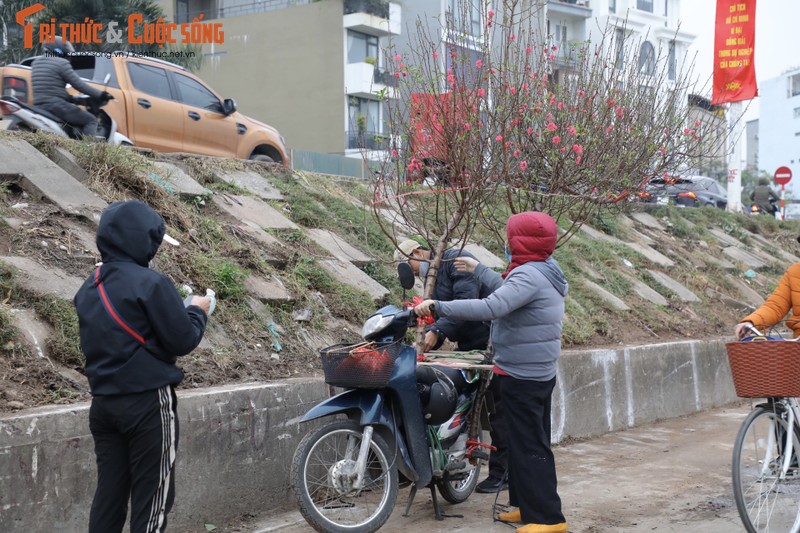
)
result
[(49, 76), (133, 327), (526, 309), (764, 196), (452, 284)]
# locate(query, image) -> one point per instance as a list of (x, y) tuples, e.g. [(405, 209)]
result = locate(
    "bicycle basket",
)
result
[(359, 366), (765, 369)]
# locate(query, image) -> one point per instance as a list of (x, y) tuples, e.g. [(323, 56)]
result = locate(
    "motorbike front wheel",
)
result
[(325, 484)]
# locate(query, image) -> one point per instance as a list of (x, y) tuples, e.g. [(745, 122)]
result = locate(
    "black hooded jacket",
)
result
[(454, 285), (147, 302)]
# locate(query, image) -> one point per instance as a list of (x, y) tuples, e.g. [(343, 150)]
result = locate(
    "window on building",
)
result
[(560, 38), (797, 112), (612, 6), (672, 65), (466, 16), (647, 59), (794, 85), (645, 5), (361, 46), (619, 43), (364, 115), (666, 8), (150, 80)]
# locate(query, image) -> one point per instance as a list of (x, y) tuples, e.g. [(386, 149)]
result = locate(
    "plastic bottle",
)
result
[(213, 297)]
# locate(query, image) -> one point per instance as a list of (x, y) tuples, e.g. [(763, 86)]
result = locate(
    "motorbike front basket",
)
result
[(359, 366)]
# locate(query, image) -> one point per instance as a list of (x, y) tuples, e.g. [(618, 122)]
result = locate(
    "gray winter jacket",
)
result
[(526, 310), (49, 78)]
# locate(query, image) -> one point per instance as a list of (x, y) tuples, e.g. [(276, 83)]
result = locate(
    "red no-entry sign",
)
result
[(783, 175)]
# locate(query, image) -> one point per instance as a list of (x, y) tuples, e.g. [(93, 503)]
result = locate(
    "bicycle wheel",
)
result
[(766, 499)]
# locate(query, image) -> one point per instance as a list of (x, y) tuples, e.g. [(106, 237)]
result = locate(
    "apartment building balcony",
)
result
[(367, 140), (374, 17), (365, 80), (569, 9)]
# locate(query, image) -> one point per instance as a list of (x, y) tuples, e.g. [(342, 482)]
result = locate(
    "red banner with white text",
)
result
[(734, 51)]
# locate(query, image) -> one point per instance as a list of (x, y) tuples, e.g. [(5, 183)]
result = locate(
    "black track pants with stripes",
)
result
[(135, 440)]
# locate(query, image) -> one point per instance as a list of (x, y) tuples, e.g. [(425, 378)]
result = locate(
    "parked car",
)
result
[(685, 191), (163, 106)]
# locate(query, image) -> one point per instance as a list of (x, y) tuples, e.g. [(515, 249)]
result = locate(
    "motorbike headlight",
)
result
[(375, 323)]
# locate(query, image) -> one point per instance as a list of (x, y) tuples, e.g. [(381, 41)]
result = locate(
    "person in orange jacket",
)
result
[(783, 300)]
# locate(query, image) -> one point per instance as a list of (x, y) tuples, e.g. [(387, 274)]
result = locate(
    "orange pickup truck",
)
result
[(162, 106)]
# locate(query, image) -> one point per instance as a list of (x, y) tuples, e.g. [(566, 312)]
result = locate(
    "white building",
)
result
[(779, 127)]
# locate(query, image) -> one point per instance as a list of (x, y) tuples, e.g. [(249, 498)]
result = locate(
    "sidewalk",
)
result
[(668, 477)]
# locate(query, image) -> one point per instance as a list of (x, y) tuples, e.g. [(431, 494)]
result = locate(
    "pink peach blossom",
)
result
[(397, 58), (523, 165), (530, 131), (556, 139), (499, 138), (479, 63), (572, 130), (516, 153), (551, 127), (578, 160), (577, 148), (490, 13), (560, 105), (481, 93), (436, 55)]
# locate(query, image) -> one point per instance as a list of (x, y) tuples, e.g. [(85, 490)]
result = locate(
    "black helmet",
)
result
[(437, 394), (59, 47)]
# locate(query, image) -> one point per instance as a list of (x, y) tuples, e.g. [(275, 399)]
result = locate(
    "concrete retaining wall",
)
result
[(236, 442)]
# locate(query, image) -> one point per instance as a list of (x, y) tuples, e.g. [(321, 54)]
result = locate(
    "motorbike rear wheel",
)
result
[(325, 493), (458, 490)]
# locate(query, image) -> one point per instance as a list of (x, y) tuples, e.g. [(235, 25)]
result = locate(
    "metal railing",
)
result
[(260, 6), (384, 77), (367, 140), (379, 8), (332, 164)]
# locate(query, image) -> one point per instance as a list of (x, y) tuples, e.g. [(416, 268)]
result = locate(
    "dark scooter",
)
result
[(401, 423)]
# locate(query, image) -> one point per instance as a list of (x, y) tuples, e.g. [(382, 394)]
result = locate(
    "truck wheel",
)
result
[(261, 157)]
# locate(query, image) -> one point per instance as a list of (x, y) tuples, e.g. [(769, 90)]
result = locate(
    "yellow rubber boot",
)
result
[(543, 528), (513, 516)]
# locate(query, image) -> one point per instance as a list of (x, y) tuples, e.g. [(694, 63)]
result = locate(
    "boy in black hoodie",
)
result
[(133, 327)]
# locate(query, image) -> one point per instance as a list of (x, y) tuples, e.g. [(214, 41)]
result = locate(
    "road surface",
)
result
[(670, 476)]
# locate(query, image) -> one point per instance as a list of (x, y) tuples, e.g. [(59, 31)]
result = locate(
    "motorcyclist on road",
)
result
[(764, 196), (50, 75)]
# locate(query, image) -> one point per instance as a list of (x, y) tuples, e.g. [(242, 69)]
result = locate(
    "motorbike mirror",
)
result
[(406, 276)]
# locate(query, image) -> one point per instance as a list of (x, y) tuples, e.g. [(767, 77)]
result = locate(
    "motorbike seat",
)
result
[(34, 109)]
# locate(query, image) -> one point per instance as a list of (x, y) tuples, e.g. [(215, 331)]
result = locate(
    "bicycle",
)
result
[(766, 476)]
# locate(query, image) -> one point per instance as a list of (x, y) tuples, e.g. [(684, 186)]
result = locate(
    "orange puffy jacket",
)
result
[(785, 298)]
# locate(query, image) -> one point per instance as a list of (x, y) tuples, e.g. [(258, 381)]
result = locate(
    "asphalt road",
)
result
[(671, 476)]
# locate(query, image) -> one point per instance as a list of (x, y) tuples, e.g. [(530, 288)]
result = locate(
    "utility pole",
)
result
[(735, 134)]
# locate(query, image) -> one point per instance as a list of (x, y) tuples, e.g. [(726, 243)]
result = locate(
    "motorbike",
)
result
[(757, 209), (31, 118), (398, 422)]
